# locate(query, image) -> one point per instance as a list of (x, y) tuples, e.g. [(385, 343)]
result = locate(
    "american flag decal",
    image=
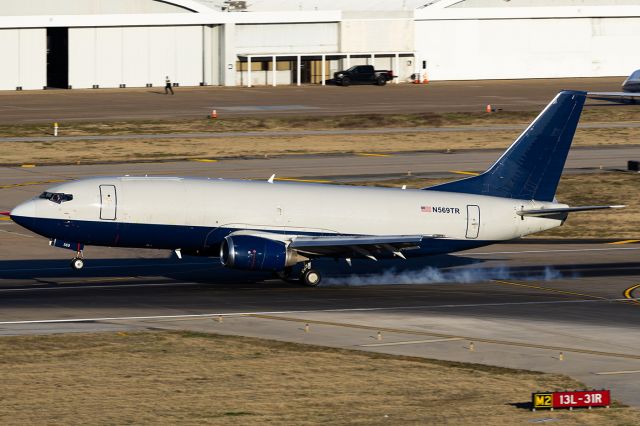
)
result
[(426, 209)]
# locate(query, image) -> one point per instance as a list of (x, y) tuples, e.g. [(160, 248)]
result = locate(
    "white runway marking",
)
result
[(411, 342), (16, 233), (552, 251), (142, 265), (606, 373), (239, 314), (87, 287)]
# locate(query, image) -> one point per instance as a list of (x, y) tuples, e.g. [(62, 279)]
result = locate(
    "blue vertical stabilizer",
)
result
[(530, 169)]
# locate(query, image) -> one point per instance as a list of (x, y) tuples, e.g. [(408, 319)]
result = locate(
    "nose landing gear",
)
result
[(77, 262)]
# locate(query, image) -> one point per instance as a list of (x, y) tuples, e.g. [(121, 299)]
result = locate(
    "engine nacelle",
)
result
[(256, 254)]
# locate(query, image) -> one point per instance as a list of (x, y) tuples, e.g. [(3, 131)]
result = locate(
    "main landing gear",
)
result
[(308, 277), (78, 262)]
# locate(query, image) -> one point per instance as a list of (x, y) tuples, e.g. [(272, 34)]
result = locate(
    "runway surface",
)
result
[(565, 308), (126, 104)]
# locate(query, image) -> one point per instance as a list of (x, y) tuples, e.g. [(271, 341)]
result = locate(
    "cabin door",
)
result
[(473, 221), (108, 202)]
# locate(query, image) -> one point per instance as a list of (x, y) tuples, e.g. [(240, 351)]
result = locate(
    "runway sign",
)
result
[(575, 399)]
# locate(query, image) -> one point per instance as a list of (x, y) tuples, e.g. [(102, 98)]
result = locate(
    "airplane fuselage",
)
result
[(195, 214)]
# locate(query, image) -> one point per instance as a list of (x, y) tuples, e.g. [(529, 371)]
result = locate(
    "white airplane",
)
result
[(630, 91), (273, 226)]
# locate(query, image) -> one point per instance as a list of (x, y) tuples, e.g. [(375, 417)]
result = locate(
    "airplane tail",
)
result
[(531, 168)]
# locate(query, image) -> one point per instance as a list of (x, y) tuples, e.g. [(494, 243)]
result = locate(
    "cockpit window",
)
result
[(56, 197)]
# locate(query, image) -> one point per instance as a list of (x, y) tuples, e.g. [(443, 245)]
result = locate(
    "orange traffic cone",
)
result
[(214, 114), (489, 108), (425, 80)]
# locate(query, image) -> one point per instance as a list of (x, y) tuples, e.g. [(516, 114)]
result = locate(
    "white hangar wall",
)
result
[(86, 7), (23, 53), (287, 38), (528, 48), (377, 32), (527, 42), (136, 56)]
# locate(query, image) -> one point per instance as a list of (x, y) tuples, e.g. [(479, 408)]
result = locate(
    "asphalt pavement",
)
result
[(264, 101)]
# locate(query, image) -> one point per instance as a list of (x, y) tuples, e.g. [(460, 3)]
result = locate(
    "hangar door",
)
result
[(135, 56), (23, 58)]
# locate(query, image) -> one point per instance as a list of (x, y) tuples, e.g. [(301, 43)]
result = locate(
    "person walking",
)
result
[(167, 86)]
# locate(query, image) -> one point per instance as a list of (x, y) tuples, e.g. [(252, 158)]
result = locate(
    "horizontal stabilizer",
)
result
[(560, 210), (616, 97)]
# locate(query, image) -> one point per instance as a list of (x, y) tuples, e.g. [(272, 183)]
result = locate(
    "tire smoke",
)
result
[(431, 275)]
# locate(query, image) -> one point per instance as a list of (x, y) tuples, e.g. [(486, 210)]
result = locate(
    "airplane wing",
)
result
[(616, 97), (344, 245), (363, 245), (563, 210)]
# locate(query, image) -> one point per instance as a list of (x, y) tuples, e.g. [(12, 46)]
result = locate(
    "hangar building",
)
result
[(136, 43)]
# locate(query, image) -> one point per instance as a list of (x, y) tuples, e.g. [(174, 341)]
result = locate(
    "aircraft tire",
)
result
[(77, 263), (311, 278)]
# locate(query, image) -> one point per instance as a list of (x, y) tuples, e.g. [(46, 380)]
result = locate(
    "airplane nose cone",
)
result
[(24, 213)]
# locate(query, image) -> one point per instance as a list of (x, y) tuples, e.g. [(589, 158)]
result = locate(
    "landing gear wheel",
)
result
[(77, 263), (311, 278)]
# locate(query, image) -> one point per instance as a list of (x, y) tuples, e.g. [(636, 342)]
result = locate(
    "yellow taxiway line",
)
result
[(552, 290), (462, 172), (625, 242), (628, 294), (366, 154), (303, 180), (203, 160), (41, 182)]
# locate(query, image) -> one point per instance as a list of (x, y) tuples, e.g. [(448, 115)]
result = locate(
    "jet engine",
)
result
[(252, 253)]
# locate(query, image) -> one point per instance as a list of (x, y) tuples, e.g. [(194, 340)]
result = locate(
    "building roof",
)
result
[(99, 7), (311, 5)]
